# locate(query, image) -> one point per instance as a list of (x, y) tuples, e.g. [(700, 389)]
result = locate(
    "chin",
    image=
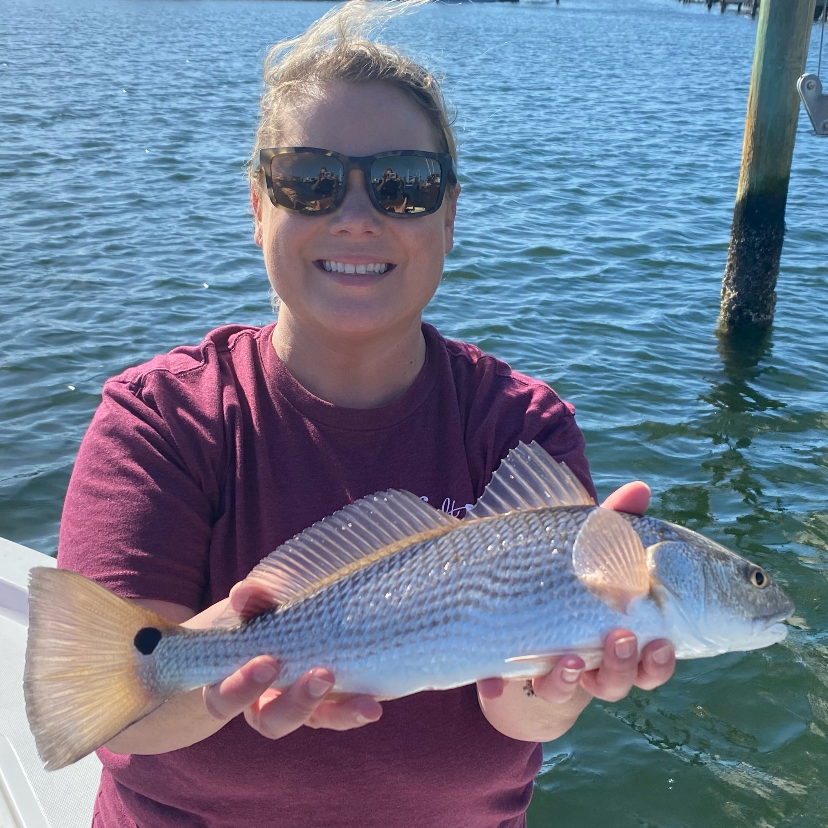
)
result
[(357, 319)]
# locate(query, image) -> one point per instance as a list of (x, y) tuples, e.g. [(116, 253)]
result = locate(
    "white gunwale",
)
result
[(29, 796)]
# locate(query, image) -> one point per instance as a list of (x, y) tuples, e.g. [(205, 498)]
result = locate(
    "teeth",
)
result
[(341, 267)]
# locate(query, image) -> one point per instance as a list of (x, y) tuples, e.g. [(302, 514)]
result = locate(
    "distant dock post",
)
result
[(749, 284)]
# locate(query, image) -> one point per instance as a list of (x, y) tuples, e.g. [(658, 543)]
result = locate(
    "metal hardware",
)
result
[(816, 104)]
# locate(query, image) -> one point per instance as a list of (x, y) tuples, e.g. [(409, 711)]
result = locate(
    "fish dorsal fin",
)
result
[(529, 479), (610, 560), (365, 531)]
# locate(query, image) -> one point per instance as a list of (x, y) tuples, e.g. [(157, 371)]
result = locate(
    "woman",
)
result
[(201, 462)]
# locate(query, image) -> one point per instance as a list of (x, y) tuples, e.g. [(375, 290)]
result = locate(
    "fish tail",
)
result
[(87, 676)]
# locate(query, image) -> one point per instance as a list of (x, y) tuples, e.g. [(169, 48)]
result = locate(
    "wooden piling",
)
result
[(749, 284)]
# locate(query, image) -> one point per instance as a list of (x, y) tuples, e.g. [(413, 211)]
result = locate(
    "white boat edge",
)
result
[(29, 796)]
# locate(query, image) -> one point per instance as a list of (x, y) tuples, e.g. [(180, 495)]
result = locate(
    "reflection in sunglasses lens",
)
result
[(406, 183), (311, 181), (306, 181)]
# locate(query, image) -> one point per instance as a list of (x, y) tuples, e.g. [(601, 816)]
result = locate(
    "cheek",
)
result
[(282, 239), (430, 240)]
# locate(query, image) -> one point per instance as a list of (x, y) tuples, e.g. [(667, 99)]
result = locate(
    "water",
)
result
[(600, 146)]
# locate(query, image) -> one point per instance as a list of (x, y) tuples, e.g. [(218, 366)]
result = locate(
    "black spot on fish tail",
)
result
[(146, 640)]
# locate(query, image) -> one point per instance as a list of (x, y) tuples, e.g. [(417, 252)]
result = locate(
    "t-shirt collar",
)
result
[(284, 389)]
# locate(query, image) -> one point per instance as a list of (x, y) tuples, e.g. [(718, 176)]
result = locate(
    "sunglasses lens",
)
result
[(305, 181), (407, 184)]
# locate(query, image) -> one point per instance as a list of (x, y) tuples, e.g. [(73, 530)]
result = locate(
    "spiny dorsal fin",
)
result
[(610, 559), (529, 479), (365, 531)]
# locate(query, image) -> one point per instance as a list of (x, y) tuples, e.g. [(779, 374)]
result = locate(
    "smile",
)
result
[(342, 267)]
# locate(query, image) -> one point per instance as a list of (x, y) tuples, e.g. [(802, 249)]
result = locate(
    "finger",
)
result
[(491, 688), (631, 497), (229, 697), (619, 668), (657, 665), (248, 598), (356, 711), (275, 717), (562, 682)]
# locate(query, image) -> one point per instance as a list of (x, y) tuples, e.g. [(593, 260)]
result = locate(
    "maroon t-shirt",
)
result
[(196, 466)]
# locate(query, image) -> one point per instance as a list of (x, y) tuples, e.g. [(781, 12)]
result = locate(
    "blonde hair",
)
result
[(338, 48)]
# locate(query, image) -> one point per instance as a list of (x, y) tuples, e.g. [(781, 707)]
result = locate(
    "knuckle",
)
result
[(270, 726), (301, 708), (269, 733), (214, 703), (557, 696)]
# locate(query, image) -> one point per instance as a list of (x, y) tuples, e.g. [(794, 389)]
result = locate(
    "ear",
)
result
[(256, 200), (451, 215)]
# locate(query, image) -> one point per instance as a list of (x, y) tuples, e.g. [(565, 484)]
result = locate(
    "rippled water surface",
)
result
[(600, 146)]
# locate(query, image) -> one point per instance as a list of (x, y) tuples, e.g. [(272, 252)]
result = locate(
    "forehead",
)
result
[(356, 119)]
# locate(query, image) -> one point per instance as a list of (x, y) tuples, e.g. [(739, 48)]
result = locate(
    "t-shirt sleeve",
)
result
[(143, 494), (546, 419), (504, 408)]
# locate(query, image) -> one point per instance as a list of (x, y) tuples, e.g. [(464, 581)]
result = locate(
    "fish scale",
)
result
[(425, 610)]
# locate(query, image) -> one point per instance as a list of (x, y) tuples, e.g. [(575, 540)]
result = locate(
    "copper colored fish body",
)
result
[(395, 597)]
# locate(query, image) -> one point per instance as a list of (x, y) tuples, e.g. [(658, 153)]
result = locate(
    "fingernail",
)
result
[(317, 687), (264, 673), (570, 674), (662, 655), (625, 647)]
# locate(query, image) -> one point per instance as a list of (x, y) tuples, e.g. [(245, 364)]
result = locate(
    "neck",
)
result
[(352, 372)]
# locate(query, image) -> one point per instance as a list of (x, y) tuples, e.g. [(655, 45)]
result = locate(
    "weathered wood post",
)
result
[(748, 289)]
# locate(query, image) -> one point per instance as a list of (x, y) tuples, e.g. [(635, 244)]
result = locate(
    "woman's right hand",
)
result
[(276, 713)]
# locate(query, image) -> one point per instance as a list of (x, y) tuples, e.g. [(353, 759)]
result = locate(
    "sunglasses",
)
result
[(399, 183)]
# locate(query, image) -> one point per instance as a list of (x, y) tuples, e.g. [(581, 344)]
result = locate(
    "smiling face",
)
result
[(392, 266)]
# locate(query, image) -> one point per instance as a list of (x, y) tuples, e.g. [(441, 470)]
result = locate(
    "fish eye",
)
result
[(758, 577)]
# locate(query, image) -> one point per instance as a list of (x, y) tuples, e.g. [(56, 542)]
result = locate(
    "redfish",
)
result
[(394, 597)]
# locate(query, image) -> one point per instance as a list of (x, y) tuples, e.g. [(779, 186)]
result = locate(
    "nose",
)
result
[(356, 214)]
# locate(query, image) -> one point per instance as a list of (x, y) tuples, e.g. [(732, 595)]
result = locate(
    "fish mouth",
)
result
[(774, 618), (775, 632), (773, 625)]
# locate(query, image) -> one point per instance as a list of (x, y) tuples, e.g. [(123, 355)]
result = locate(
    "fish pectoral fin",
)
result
[(610, 560), (528, 478), (365, 531)]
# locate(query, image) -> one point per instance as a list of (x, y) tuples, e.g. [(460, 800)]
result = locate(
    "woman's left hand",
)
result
[(561, 694)]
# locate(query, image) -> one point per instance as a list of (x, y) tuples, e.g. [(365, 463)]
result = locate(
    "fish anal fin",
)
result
[(528, 478), (356, 536), (610, 560), (539, 664), (531, 665)]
